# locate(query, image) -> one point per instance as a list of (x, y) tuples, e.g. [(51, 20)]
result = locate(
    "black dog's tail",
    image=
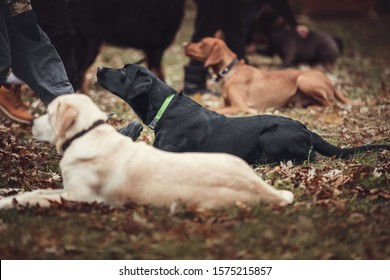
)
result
[(327, 149), (339, 43)]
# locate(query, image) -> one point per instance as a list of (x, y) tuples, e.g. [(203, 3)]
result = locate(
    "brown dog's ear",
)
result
[(66, 116), (215, 56)]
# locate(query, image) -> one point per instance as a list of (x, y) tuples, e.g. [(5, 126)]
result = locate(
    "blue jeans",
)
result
[(36, 63)]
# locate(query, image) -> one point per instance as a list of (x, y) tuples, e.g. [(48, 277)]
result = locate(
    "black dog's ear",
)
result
[(143, 82)]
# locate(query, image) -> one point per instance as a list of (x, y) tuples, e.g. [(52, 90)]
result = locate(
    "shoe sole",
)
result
[(12, 117)]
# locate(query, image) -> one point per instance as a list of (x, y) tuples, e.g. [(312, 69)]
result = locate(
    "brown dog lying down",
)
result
[(251, 90)]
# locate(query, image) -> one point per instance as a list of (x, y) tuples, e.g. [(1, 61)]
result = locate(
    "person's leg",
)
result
[(53, 17), (235, 24), (208, 19), (5, 51), (10, 101), (38, 64), (195, 76), (207, 22)]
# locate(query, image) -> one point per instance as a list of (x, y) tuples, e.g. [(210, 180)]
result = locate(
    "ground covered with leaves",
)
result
[(342, 207)]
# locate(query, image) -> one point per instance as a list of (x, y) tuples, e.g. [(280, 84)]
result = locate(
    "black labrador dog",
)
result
[(283, 40), (186, 126)]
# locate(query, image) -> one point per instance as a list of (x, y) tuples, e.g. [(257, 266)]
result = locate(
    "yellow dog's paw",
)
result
[(288, 197)]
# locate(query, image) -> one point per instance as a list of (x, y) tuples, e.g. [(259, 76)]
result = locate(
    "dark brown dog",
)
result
[(251, 90), (283, 40)]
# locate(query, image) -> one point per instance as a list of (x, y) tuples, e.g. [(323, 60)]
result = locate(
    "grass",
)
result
[(341, 209)]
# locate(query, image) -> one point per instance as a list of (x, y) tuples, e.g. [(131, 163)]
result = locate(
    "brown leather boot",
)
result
[(12, 105)]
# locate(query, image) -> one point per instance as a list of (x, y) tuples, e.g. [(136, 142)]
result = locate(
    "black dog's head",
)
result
[(136, 85), (127, 82)]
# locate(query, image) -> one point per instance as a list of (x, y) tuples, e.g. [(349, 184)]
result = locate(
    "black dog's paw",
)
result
[(132, 130)]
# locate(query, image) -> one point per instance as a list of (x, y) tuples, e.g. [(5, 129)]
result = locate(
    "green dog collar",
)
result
[(160, 112)]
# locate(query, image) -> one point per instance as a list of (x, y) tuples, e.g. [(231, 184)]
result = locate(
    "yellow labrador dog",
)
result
[(101, 165)]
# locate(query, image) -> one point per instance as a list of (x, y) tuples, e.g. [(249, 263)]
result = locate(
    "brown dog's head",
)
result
[(211, 51)]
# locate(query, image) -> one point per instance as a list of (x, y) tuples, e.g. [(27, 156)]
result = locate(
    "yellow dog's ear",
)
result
[(66, 116), (215, 55)]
